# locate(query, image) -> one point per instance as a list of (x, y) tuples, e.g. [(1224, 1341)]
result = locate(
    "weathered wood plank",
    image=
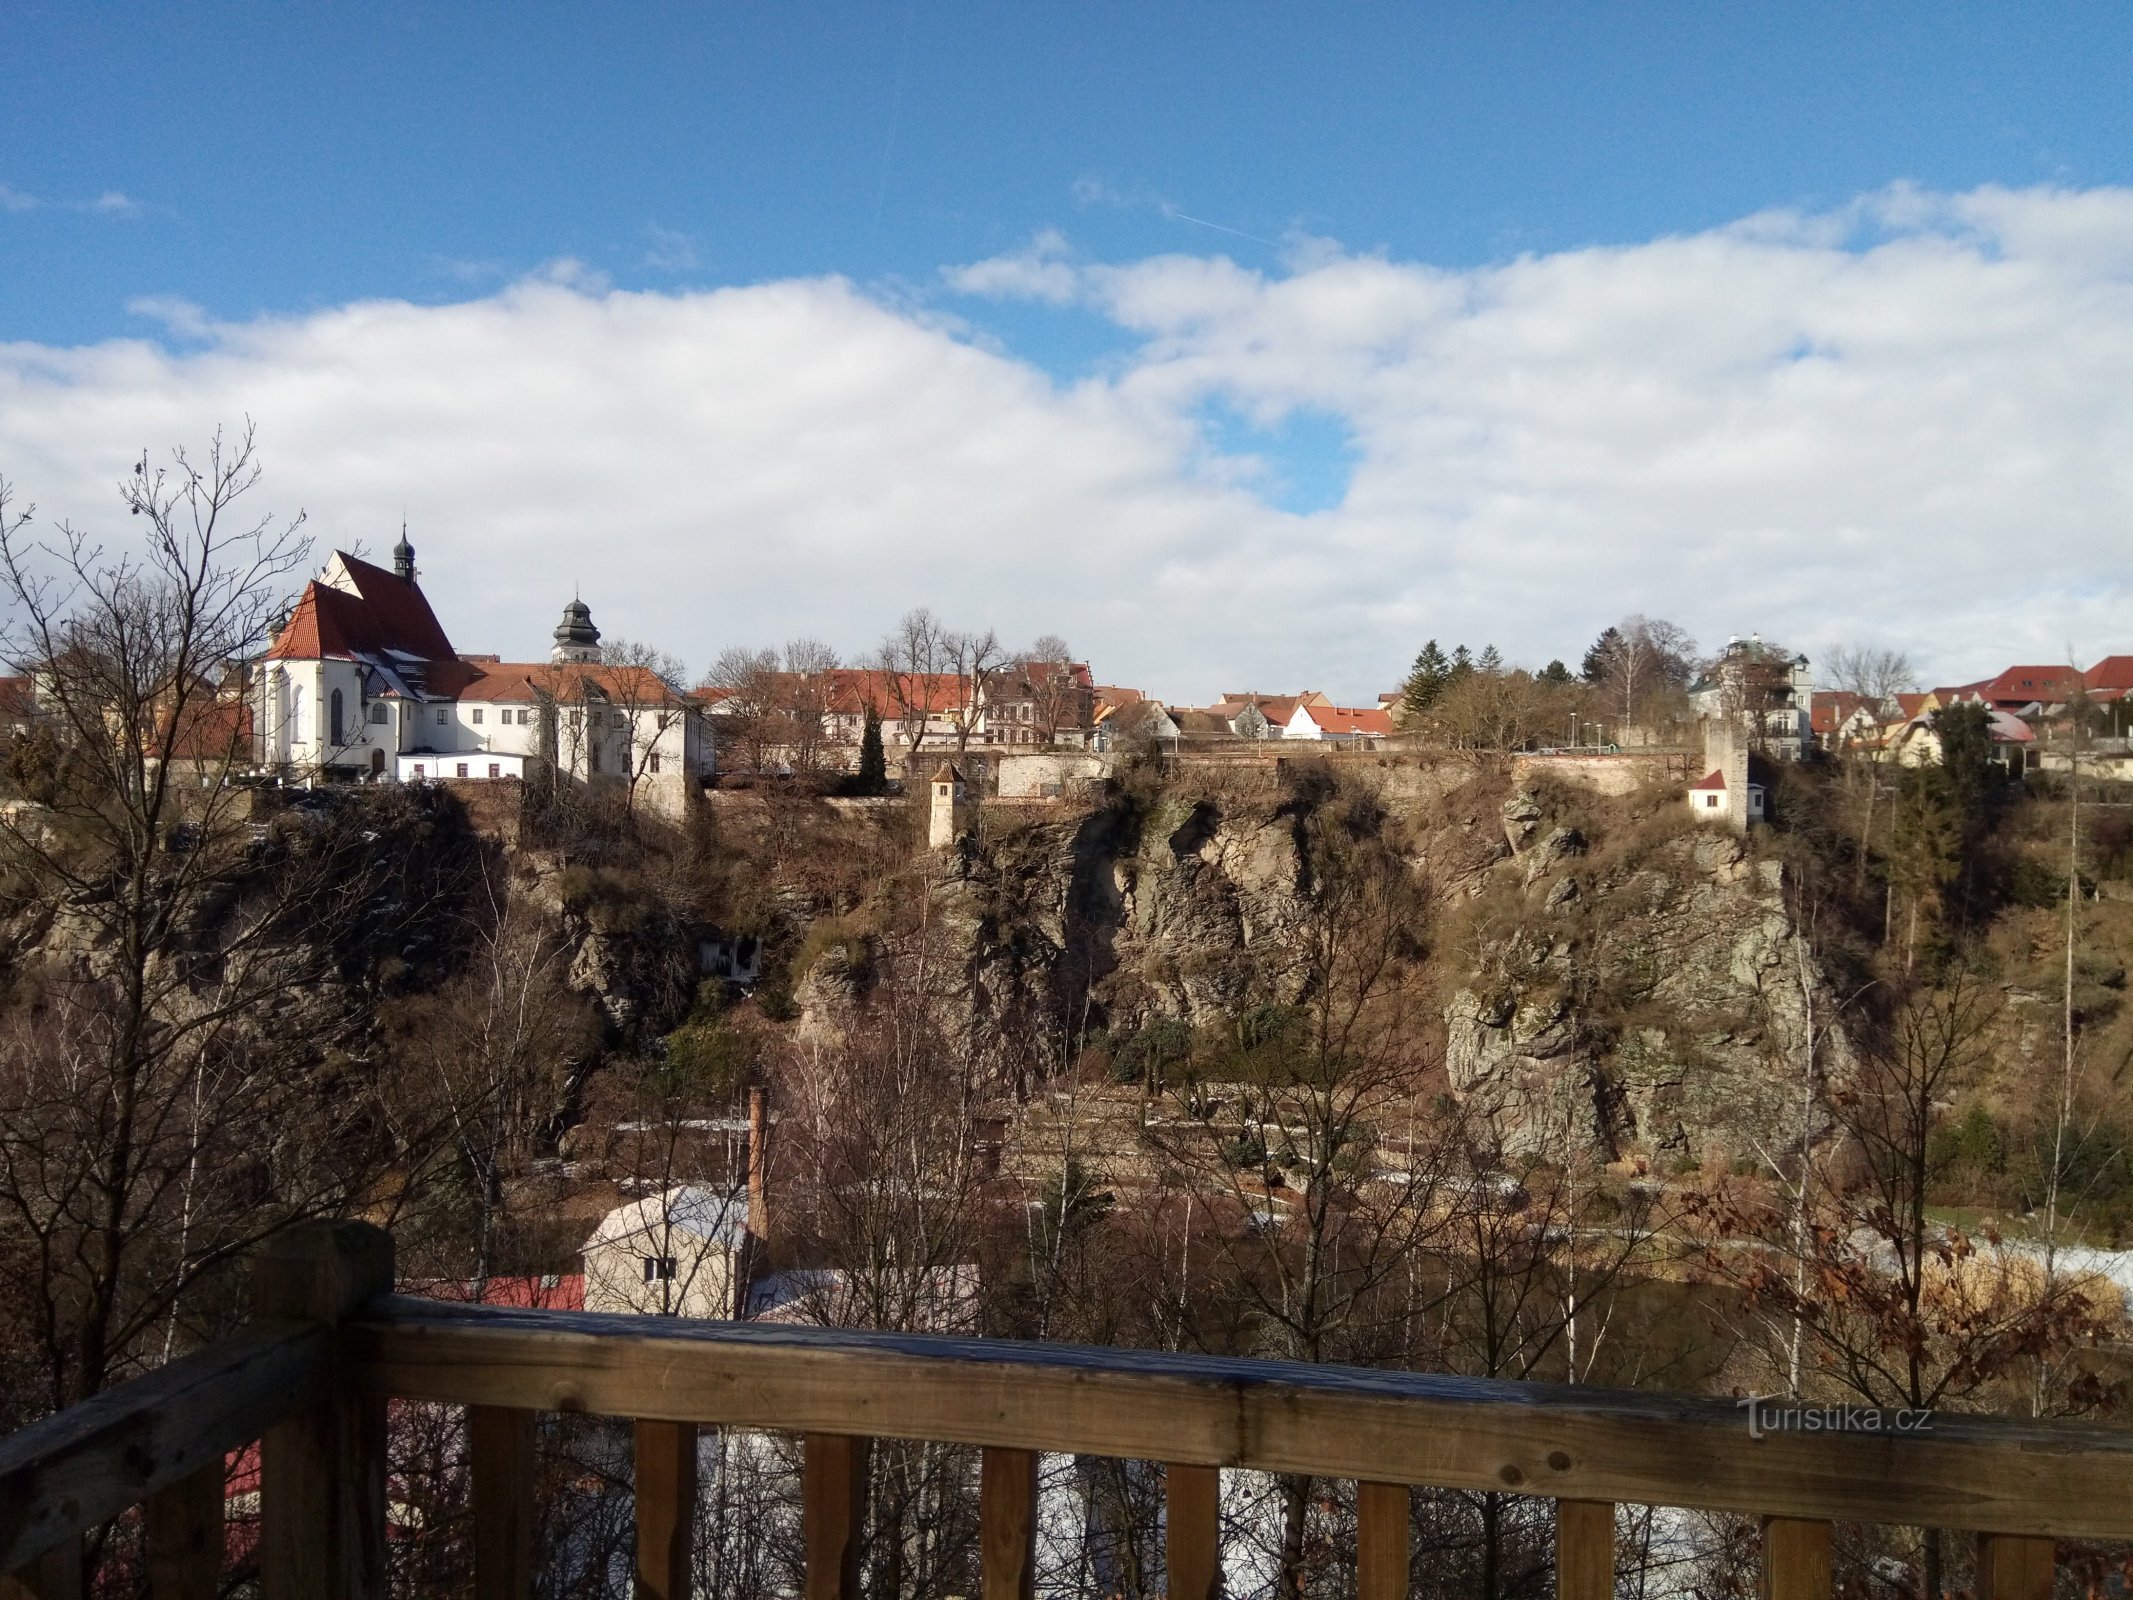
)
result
[(833, 1508), (55, 1575), (500, 1446), (1007, 1524), (2015, 1569), (1381, 1540), (1574, 1442), (1192, 1531), (182, 1526), (69, 1472), (322, 1469), (666, 1510), (1584, 1550), (1797, 1555)]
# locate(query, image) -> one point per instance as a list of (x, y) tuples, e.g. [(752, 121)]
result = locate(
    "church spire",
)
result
[(404, 555)]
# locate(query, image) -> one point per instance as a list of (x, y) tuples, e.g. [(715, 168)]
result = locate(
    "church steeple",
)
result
[(576, 639), (404, 555)]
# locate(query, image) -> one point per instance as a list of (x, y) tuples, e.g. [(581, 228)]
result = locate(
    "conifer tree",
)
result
[(873, 760), (1425, 681)]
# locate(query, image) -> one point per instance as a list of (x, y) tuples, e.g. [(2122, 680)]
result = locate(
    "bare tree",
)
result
[(912, 659), (747, 681), (1873, 673), (972, 658), (166, 1099), (643, 685), (1642, 658), (805, 691)]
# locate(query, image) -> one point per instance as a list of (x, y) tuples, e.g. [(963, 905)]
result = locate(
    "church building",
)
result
[(361, 683)]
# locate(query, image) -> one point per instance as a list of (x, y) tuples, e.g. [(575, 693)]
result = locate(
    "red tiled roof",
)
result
[(1350, 719), (853, 689), (2112, 672), (1832, 708), (555, 1291), (532, 680), (385, 612), (1714, 779), (2018, 686), (1910, 704), (213, 730)]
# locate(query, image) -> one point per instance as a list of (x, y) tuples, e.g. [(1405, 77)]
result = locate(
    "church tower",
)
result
[(576, 639), (404, 557)]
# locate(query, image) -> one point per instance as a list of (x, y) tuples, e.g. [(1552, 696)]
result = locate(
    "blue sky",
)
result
[(210, 177)]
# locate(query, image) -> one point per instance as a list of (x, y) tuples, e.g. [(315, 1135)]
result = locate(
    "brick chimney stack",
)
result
[(758, 1130)]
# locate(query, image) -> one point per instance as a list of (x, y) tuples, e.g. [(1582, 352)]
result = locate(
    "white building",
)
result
[(681, 1253), (362, 683), (1769, 694)]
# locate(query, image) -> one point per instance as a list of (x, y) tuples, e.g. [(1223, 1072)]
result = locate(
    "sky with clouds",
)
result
[(1237, 350)]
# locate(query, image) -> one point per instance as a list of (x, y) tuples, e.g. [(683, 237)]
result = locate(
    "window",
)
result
[(659, 1269), (652, 764), (418, 769), (462, 769), (440, 716), (377, 712), (477, 716), (524, 716), (333, 716), (1710, 800), (496, 769)]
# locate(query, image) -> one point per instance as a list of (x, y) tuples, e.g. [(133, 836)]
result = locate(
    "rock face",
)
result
[(1637, 998), (1662, 1007)]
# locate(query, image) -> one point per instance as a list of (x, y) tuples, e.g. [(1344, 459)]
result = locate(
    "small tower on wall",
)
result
[(948, 807), (576, 639)]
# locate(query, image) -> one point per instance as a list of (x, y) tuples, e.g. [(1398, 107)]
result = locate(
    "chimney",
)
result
[(758, 1200)]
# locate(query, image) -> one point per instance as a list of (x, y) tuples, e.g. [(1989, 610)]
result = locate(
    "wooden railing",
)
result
[(333, 1346)]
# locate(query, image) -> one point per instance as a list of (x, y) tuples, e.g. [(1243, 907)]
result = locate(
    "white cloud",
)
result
[(671, 251), (111, 203), (13, 199), (1905, 422), (182, 317)]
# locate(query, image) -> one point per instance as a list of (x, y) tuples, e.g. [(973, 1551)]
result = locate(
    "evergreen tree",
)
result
[(1425, 681), (1462, 666), (1555, 674), (873, 759), (1601, 655), (1491, 663)]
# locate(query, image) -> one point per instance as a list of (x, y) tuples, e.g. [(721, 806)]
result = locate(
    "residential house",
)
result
[(1355, 726), (1917, 743), (361, 682), (1038, 703), (1768, 693), (684, 1252)]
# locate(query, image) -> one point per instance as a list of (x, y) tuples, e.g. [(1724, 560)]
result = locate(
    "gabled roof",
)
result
[(2021, 686), (1366, 720), (2112, 672), (569, 682), (1715, 779), (357, 609), (684, 1210)]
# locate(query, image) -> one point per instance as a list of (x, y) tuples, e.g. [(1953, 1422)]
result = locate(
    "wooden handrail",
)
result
[(1988, 1474), (80, 1467)]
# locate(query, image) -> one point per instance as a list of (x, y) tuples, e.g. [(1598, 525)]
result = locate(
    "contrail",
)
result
[(896, 112), (1175, 215)]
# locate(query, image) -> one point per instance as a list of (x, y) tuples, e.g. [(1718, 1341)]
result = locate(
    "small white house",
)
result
[(682, 1253), (1712, 800)]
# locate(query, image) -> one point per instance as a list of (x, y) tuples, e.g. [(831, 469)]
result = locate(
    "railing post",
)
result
[(500, 1444), (1796, 1559), (666, 1509), (322, 1469), (1007, 1524), (833, 1507), (1381, 1540), (2010, 1567), (183, 1529), (1584, 1550), (1192, 1532), (55, 1575)]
